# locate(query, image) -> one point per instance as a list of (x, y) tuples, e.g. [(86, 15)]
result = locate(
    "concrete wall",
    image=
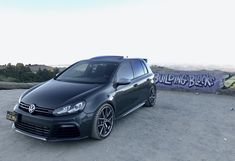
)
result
[(14, 85), (201, 81)]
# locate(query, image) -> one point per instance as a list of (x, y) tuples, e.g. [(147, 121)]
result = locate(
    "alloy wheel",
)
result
[(152, 97), (105, 121)]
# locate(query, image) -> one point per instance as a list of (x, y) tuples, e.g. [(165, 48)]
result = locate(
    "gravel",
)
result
[(181, 127)]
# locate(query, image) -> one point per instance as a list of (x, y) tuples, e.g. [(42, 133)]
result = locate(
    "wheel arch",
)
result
[(112, 104), (94, 103)]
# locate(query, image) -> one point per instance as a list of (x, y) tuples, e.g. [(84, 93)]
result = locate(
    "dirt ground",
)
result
[(181, 127)]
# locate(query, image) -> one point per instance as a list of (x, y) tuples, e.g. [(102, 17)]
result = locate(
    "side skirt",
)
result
[(131, 110)]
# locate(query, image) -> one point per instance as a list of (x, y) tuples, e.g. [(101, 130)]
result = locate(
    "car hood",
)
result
[(54, 94)]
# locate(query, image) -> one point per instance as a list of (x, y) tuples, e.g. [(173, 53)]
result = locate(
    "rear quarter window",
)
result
[(137, 68), (144, 67)]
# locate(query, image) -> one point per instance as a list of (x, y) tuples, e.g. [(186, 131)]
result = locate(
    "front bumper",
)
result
[(62, 128)]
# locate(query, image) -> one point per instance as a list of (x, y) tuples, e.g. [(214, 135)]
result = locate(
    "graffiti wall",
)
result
[(191, 80), (229, 82)]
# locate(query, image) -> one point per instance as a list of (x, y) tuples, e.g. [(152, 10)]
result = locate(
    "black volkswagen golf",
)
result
[(85, 99)]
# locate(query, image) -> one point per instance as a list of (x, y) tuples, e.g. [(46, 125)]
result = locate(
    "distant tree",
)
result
[(55, 71), (22, 73), (44, 75)]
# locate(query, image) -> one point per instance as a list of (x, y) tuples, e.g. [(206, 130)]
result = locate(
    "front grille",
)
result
[(38, 110), (66, 132), (60, 131), (33, 129)]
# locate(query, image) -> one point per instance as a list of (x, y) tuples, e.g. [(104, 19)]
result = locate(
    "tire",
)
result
[(103, 122), (152, 97)]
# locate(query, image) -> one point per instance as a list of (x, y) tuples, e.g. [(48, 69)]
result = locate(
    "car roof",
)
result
[(115, 58), (108, 58)]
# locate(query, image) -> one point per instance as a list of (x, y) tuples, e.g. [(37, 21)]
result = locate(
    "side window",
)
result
[(125, 71), (144, 67), (137, 68)]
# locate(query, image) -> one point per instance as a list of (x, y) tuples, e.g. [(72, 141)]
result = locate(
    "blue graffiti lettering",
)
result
[(203, 80)]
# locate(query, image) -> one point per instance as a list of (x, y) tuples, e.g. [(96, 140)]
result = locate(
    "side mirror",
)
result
[(123, 81)]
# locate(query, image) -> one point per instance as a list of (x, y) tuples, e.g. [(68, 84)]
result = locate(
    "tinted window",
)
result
[(138, 68), (144, 67), (125, 71), (89, 72)]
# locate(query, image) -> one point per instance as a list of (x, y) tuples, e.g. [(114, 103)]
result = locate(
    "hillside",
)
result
[(35, 67), (27, 73)]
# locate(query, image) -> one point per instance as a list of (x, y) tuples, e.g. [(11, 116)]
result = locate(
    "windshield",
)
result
[(89, 72)]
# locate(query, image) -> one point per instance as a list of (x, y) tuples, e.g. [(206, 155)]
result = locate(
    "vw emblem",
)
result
[(31, 108)]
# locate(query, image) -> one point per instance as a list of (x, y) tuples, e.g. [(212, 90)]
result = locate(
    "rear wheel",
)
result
[(103, 122), (152, 97)]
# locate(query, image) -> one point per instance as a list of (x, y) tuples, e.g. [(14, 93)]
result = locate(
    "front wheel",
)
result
[(152, 97), (103, 122)]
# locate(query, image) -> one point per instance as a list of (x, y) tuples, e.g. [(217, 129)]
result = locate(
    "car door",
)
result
[(141, 81), (125, 96)]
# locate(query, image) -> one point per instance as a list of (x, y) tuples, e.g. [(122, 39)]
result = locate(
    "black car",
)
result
[(85, 99)]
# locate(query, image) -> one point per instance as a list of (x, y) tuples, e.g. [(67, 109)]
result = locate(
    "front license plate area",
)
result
[(12, 116)]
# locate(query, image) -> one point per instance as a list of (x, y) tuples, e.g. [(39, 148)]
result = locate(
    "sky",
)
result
[(167, 32)]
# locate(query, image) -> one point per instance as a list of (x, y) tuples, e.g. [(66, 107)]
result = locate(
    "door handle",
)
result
[(135, 85)]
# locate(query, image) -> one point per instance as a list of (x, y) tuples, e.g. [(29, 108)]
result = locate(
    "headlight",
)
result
[(69, 109)]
